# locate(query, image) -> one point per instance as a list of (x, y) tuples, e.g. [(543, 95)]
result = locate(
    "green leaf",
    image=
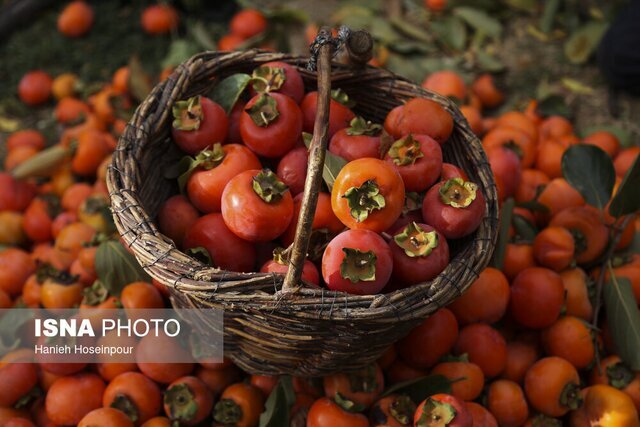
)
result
[(42, 164), (421, 388), (202, 36), (624, 320), (332, 164), (590, 171), (523, 5), (9, 324), (549, 15), (116, 267), (139, 80), (554, 105), (479, 20), (489, 62), (576, 86), (410, 30), (287, 15), (583, 42), (228, 91), (278, 405), (623, 135), (179, 51), (524, 228), (627, 198), (451, 31), (506, 213)]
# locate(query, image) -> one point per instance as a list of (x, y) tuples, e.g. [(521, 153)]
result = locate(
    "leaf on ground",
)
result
[(479, 20), (42, 164), (576, 86), (590, 171), (624, 320), (179, 51), (202, 36), (584, 41), (116, 267), (451, 31), (421, 388), (489, 62), (549, 15), (139, 80)]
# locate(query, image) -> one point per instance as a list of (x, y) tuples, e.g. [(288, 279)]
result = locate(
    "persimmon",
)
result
[(240, 404), (571, 339), (71, 398), (159, 19), (107, 417), (446, 83), (70, 110), (607, 141), (537, 296), (485, 89), (468, 378), (25, 138), (507, 402), (35, 87), (513, 138), (555, 126), (15, 267), (431, 340), (64, 85), (557, 195), (248, 23), (520, 356), (481, 415), (474, 117), (554, 248), (484, 346), (549, 157), (12, 228), (362, 386), (552, 386), (75, 19), (589, 233), (605, 406), (576, 287), (624, 160), (518, 120), (517, 257), (486, 299)]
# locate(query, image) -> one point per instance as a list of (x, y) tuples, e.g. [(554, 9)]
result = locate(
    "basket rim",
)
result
[(204, 282)]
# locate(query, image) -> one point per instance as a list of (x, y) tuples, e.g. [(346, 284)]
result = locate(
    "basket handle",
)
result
[(359, 46)]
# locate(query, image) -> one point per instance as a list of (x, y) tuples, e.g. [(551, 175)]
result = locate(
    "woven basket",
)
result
[(309, 332)]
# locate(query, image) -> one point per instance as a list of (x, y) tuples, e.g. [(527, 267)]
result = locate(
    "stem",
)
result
[(317, 151), (616, 234)]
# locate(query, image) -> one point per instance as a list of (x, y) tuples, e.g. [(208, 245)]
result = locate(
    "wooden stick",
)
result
[(360, 48), (317, 151)]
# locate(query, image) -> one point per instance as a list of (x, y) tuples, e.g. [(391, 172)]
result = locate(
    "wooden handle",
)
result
[(317, 150)]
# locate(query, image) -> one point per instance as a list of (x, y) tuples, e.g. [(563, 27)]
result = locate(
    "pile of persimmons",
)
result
[(519, 348)]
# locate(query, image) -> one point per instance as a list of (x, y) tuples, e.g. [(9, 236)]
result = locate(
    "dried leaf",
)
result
[(584, 41), (42, 164)]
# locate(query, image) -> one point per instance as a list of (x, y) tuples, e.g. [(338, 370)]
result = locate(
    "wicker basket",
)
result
[(309, 332)]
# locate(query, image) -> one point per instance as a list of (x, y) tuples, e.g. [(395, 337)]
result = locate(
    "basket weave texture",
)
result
[(309, 332)]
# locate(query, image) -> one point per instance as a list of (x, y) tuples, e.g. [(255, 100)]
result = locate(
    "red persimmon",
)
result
[(198, 123), (418, 159)]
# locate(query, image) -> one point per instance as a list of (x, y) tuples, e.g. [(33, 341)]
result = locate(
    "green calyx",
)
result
[(360, 126), (268, 186), (267, 79), (571, 397), (341, 97), (226, 412), (402, 410), (124, 404), (412, 202), (364, 199), (415, 241), (544, 421), (264, 111), (48, 272), (348, 405), (358, 266), (619, 375), (405, 151), (95, 204), (579, 240), (187, 114), (457, 193), (364, 380), (436, 414), (209, 158), (181, 403), (95, 294), (281, 256)]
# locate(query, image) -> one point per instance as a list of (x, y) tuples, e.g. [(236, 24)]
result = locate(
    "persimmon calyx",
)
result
[(348, 405), (95, 294), (619, 375), (359, 126), (124, 404), (571, 397), (416, 241), (264, 111), (181, 403), (342, 97), (187, 114), (402, 409), (358, 266), (227, 411), (458, 193), (268, 186), (267, 79), (210, 158), (405, 151), (281, 256), (364, 199), (436, 414)]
